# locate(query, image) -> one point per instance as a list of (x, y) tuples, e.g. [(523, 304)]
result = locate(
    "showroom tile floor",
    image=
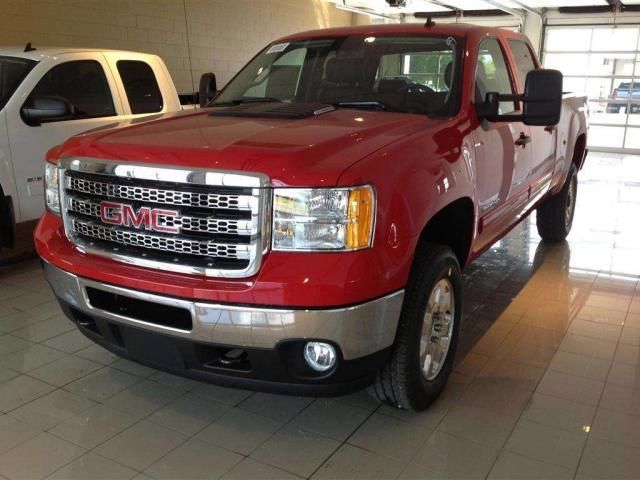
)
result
[(547, 384)]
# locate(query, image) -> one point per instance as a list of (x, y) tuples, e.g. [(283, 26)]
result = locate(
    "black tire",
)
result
[(7, 222), (555, 215), (401, 381)]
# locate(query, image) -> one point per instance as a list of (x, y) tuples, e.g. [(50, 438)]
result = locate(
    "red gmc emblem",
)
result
[(153, 219)]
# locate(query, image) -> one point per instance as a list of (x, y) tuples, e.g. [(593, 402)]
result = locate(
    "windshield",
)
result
[(12, 72), (410, 74)]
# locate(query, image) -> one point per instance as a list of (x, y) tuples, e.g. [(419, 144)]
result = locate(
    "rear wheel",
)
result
[(428, 330), (555, 215)]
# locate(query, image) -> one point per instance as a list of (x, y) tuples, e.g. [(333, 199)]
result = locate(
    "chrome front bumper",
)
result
[(358, 330)]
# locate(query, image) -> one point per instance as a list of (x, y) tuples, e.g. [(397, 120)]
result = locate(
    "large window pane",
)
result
[(625, 95), (634, 117), (575, 85), (611, 137), (568, 39), (598, 88), (602, 112), (567, 63), (614, 39), (611, 63), (633, 138)]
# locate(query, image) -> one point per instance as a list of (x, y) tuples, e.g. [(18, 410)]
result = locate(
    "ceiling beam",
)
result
[(526, 8), (616, 5), (342, 5), (504, 8)]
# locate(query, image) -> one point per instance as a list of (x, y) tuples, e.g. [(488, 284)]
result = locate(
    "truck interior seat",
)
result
[(343, 79)]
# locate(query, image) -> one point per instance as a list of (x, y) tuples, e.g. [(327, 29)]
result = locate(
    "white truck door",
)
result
[(86, 81), (145, 85)]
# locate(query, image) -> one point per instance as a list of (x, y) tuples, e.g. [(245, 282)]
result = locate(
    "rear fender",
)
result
[(571, 139)]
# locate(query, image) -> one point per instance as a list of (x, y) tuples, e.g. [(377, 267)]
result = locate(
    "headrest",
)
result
[(344, 71)]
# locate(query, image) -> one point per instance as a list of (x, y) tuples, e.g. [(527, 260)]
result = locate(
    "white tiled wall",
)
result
[(192, 36)]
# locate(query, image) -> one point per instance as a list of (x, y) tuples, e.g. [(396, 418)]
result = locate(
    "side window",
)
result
[(523, 58), (492, 74), (81, 82), (141, 86)]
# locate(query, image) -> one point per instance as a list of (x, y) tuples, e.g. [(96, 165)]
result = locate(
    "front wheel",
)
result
[(425, 345), (555, 216)]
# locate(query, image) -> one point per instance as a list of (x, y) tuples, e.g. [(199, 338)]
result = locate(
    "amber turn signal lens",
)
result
[(360, 218)]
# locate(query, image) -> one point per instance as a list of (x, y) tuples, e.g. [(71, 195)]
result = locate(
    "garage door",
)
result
[(603, 62)]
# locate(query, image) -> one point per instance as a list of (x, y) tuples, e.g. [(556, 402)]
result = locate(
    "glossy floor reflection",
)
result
[(547, 383)]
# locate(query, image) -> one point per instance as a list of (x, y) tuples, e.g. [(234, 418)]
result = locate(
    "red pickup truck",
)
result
[(306, 232)]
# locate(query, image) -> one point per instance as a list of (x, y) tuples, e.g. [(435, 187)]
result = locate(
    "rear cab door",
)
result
[(543, 139), (144, 84), (84, 79), (501, 148)]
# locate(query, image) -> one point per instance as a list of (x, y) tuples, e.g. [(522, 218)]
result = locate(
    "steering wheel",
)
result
[(416, 88)]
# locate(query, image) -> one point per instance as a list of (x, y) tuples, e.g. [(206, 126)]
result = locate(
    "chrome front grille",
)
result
[(207, 223)]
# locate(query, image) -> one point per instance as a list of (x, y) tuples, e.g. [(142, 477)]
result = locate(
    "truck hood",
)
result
[(302, 152)]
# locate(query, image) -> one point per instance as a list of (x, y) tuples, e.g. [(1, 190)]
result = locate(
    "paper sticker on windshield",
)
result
[(278, 47)]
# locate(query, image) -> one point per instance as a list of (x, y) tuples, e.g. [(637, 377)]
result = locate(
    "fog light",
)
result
[(320, 356)]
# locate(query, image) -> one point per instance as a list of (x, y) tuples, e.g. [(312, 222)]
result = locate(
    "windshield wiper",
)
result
[(242, 100), (371, 104)]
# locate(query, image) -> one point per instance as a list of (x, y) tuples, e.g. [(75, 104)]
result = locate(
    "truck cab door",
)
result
[(502, 150), (83, 79), (543, 139)]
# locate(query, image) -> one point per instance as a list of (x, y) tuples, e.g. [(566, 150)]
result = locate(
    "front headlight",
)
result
[(323, 219), (51, 188)]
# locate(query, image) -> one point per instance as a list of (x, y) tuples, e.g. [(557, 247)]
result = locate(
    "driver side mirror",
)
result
[(41, 109), (541, 101), (208, 88)]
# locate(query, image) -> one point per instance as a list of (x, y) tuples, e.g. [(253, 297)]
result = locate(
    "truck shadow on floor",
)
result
[(24, 247), (519, 281)]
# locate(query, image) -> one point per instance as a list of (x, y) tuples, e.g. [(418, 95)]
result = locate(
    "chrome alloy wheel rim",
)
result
[(571, 198), (437, 329)]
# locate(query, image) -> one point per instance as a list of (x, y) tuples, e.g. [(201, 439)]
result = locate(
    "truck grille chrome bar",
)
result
[(185, 222), (181, 220), (156, 195), (155, 242)]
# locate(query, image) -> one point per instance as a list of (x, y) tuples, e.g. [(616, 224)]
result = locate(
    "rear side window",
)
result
[(140, 86), (81, 82), (523, 58)]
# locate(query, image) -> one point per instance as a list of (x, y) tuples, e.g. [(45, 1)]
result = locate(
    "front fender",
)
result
[(415, 178)]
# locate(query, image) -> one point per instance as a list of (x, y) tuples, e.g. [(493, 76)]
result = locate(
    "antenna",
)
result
[(429, 23), (29, 48)]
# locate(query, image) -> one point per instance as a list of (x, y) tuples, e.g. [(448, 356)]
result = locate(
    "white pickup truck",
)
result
[(49, 95)]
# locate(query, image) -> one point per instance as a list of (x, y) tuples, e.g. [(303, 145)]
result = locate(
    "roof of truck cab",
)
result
[(48, 52), (456, 29)]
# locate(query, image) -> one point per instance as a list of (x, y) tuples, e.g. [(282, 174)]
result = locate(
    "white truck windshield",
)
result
[(12, 71), (410, 74)]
